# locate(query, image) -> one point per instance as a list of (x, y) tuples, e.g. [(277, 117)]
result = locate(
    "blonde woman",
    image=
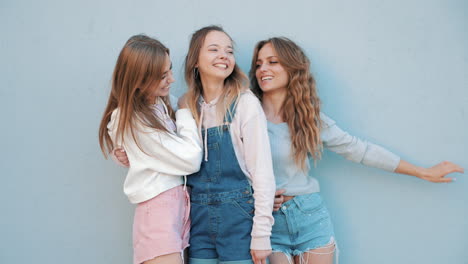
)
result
[(232, 194)]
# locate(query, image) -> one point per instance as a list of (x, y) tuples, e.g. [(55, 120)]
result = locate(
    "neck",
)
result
[(272, 103), (212, 88)]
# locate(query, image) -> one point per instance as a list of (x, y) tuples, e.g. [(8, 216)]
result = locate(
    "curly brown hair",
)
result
[(301, 107)]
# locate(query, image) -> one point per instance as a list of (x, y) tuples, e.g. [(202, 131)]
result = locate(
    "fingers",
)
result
[(441, 180), (452, 167), (458, 169), (260, 256), (121, 156), (439, 172), (278, 202), (279, 199), (279, 192)]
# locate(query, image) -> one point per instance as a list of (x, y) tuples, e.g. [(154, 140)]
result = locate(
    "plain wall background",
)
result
[(392, 72)]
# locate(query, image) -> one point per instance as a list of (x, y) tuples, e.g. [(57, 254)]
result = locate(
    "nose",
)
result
[(223, 54), (171, 77), (262, 67)]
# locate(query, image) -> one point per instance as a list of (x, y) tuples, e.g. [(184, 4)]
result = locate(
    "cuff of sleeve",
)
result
[(183, 114), (260, 243), (379, 157)]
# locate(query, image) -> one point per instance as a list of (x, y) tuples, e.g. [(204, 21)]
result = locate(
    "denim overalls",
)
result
[(222, 205)]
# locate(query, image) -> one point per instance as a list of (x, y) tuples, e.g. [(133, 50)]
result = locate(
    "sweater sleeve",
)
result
[(258, 163), (164, 152), (355, 149)]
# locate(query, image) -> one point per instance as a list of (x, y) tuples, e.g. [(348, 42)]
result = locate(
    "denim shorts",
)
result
[(301, 224), (221, 227)]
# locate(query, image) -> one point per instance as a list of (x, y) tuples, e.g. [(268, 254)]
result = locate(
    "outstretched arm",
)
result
[(372, 155), (435, 173)]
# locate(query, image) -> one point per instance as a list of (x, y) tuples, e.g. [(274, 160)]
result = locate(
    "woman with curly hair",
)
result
[(298, 131)]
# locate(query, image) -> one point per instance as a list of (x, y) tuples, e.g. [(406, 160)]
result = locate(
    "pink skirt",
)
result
[(161, 225)]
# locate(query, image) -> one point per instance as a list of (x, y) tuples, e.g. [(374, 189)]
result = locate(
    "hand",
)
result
[(259, 256), (121, 157), (182, 102), (438, 172), (279, 199)]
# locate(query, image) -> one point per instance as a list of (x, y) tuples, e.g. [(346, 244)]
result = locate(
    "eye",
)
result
[(273, 62), (213, 50)]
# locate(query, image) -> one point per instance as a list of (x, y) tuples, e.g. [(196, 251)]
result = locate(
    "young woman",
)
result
[(232, 194), (139, 119), (280, 76)]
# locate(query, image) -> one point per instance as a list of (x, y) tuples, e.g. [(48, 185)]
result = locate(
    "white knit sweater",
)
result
[(166, 157)]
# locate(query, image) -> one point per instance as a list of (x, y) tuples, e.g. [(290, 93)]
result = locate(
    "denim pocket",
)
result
[(309, 203), (246, 206)]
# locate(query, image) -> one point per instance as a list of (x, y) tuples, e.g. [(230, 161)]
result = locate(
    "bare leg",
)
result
[(323, 255), (280, 258)]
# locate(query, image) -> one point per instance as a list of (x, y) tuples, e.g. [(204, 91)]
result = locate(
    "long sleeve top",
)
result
[(297, 181), (250, 140), (164, 157)]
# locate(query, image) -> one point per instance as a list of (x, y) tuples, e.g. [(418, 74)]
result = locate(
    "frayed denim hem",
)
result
[(332, 246)]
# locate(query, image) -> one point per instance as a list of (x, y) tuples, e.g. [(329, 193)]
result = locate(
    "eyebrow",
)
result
[(216, 45), (269, 57)]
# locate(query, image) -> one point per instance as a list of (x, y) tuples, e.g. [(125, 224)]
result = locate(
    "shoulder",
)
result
[(248, 105), (247, 98)]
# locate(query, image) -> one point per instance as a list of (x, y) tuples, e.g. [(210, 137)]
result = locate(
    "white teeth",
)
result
[(267, 78), (221, 66)]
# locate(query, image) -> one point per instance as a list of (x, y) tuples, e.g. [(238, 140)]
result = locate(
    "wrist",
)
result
[(422, 173)]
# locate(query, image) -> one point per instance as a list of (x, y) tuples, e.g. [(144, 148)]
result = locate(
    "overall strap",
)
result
[(232, 111)]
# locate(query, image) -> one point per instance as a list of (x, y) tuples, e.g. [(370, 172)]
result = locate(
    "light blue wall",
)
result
[(393, 72)]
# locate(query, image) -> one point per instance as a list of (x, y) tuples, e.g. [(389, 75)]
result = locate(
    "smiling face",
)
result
[(163, 87), (269, 73), (216, 59)]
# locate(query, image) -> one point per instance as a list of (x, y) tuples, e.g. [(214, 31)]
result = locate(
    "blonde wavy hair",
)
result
[(138, 70), (301, 108), (234, 84)]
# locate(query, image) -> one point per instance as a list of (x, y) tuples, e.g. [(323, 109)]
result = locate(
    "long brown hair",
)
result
[(234, 84), (138, 70), (301, 108)]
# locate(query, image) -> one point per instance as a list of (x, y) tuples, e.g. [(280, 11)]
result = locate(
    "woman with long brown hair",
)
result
[(139, 119), (298, 131)]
